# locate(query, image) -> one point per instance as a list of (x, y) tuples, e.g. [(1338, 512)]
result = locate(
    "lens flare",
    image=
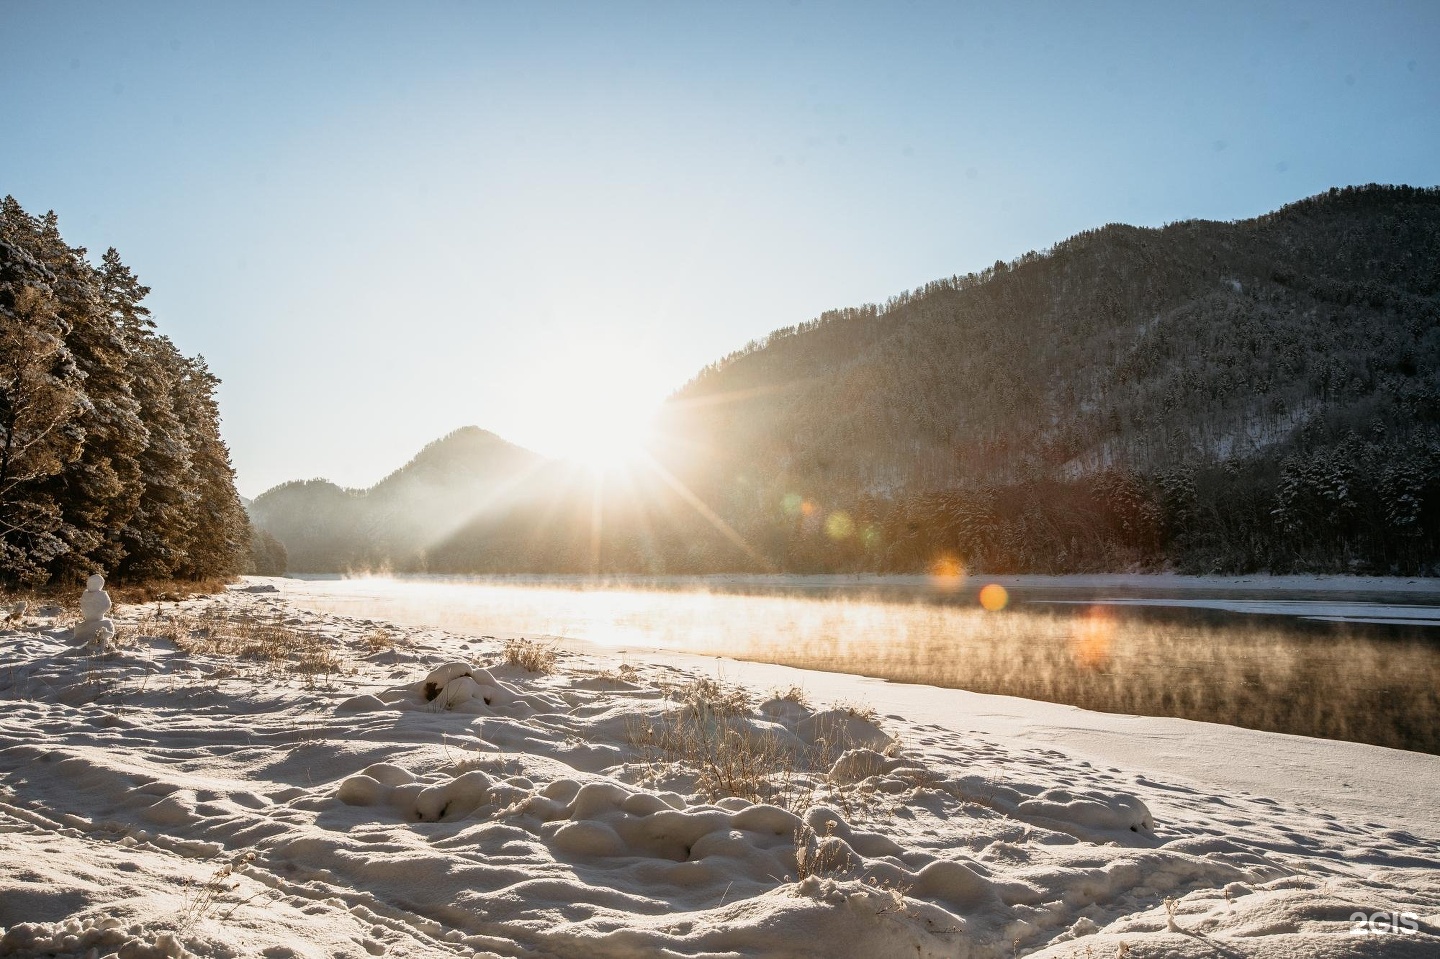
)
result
[(946, 572), (1091, 639), (839, 525), (994, 597)]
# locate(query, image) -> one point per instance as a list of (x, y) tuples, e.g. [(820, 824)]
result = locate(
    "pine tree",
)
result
[(219, 542), (41, 399), (161, 523), (100, 491)]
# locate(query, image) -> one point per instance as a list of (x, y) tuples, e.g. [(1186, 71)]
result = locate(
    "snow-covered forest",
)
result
[(110, 450)]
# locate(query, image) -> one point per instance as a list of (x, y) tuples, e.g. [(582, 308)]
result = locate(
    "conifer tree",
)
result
[(163, 517), (220, 538), (98, 492), (111, 457), (40, 397)]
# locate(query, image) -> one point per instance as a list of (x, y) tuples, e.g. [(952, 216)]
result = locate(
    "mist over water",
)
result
[(1280, 663), (683, 614)]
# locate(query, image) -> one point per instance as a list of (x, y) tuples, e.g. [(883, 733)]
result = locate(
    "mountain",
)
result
[(471, 502), (1249, 395), (1262, 394), (1195, 342), (449, 484)]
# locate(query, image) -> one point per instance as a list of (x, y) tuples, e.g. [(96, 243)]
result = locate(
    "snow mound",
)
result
[(841, 726), (1089, 814), (814, 919), (458, 687), (385, 785), (89, 936)]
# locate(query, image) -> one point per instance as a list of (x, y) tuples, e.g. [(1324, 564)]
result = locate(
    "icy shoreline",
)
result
[(154, 801)]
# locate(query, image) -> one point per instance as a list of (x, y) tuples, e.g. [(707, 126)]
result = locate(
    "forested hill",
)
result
[(454, 481), (111, 458), (1143, 347), (1257, 394)]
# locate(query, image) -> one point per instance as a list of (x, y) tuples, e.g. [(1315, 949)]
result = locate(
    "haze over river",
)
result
[(1341, 657), (701, 612)]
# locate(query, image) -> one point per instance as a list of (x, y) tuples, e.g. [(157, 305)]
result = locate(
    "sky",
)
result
[(380, 222)]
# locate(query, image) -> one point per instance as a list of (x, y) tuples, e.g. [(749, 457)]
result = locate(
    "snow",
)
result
[(433, 799)]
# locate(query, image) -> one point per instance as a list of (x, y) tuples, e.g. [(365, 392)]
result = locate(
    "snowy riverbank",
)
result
[(232, 800)]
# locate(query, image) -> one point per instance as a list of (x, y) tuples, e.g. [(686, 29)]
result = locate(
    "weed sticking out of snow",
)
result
[(277, 649), (625, 673), (380, 640), (820, 854), (709, 698), (858, 710), (792, 694), (530, 656), (208, 898), (727, 759)]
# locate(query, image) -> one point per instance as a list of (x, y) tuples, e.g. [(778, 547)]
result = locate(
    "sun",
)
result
[(600, 430), (608, 439), (595, 406)]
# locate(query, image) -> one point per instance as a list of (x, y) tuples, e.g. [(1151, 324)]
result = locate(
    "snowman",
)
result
[(94, 626)]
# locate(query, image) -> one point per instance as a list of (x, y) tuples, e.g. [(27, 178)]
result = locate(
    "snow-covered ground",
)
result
[(433, 800)]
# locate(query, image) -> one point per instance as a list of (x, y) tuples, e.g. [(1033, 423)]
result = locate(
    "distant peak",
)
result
[(466, 450), (466, 437)]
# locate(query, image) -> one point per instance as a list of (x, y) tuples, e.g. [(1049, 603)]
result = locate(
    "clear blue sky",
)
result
[(383, 221)]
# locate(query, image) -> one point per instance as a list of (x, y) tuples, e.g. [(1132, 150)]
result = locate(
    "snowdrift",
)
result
[(427, 797)]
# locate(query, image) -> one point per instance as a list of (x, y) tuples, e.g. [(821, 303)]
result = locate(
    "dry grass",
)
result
[(711, 698), (276, 648), (726, 759), (1339, 686), (380, 641), (793, 694), (530, 656), (241, 635), (624, 673), (206, 899), (820, 854), (709, 736), (859, 710), (316, 660)]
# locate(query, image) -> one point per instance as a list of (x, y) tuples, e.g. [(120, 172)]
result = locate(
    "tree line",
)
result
[(111, 458)]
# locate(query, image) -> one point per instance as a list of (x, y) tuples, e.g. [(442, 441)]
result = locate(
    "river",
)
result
[(1338, 657)]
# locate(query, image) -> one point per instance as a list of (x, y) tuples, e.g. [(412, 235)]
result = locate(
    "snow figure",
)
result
[(94, 604)]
